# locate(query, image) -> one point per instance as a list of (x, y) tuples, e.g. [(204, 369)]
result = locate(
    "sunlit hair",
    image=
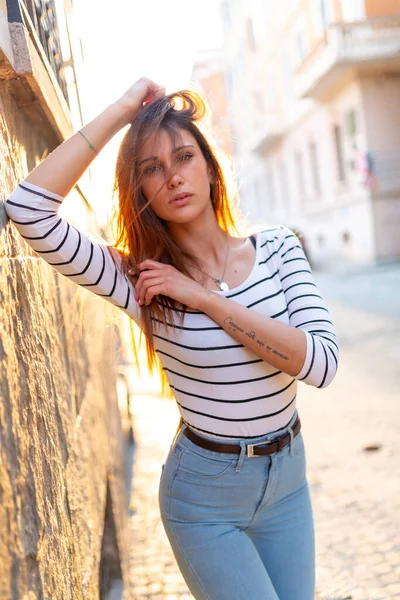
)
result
[(140, 233)]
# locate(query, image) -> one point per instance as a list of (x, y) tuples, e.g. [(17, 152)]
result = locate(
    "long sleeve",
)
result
[(34, 212), (307, 311)]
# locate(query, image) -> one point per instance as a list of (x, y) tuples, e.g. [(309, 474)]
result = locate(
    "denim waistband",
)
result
[(245, 441)]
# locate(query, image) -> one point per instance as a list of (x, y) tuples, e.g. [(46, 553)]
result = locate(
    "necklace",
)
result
[(222, 284)]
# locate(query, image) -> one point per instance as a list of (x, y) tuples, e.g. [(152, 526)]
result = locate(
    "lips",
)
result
[(180, 196)]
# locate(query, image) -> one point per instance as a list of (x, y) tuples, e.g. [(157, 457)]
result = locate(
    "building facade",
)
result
[(312, 88), (208, 73), (63, 502)]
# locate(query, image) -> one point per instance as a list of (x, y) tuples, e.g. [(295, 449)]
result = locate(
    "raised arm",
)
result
[(62, 169), (33, 206)]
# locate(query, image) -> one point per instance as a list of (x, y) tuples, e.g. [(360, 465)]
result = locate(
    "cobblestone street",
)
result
[(352, 446)]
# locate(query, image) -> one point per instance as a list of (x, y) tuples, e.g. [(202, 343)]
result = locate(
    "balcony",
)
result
[(32, 61), (268, 132), (40, 19), (349, 49)]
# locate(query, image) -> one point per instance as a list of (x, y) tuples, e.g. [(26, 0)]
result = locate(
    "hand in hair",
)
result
[(139, 94), (158, 278)]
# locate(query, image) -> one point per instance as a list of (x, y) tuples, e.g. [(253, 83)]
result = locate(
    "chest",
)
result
[(239, 266), (200, 340)]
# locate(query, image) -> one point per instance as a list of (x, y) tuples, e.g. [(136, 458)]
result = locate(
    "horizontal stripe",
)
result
[(263, 262), (269, 242), (34, 222), (257, 418), (307, 308), (100, 277), (113, 287), (197, 348), (297, 284), (71, 260), (295, 273), (57, 248), (89, 262), (264, 299), (43, 237), (234, 401), (304, 296), (230, 382), (27, 207), (187, 328), (253, 285), (286, 262), (223, 366), (314, 321), (24, 187)]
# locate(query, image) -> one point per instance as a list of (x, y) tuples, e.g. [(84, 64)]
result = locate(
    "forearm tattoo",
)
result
[(253, 336)]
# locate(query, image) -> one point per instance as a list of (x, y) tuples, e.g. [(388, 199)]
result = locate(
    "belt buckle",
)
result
[(250, 448)]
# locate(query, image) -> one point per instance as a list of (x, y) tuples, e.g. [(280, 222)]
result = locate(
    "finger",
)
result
[(154, 92), (143, 277), (147, 279), (152, 289), (159, 92)]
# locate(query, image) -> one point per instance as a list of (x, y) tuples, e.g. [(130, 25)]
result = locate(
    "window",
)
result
[(250, 35), (314, 167), (301, 41), (299, 173), (338, 140), (351, 124), (323, 9)]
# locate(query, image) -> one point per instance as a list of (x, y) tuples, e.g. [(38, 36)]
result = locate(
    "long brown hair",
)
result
[(140, 233)]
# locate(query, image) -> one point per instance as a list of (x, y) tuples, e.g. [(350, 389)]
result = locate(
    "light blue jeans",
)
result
[(241, 528)]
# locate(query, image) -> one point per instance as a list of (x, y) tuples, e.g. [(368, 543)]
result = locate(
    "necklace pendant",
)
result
[(223, 286)]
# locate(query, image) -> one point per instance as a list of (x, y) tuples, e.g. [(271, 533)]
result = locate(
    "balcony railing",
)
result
[(366, 44), (40, 18)]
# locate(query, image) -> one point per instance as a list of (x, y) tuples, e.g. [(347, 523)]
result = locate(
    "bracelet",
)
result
[(90, 144)]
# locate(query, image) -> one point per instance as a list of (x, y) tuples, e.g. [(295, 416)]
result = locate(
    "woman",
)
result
[(235, 322)]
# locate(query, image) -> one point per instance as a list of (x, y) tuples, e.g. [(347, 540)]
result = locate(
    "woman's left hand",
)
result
[(157, 278)]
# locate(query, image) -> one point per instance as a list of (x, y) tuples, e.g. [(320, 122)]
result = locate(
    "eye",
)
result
[(151, 169), (185, 156)]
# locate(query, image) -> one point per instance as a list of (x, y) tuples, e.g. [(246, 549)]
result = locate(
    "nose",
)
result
[(174, 181)]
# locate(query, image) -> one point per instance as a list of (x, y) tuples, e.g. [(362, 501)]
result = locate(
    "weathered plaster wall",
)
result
[(60, 431)]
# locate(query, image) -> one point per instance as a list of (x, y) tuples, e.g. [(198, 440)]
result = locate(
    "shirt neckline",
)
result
[(249, 277)]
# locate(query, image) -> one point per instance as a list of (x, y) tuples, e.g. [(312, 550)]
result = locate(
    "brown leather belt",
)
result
[(260, 449)]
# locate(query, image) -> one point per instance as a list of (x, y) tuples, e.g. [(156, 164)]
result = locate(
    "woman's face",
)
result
[(176, 177)]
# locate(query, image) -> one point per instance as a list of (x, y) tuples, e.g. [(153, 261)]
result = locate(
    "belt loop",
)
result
[(180, 428), (291, 440), (241, 456)]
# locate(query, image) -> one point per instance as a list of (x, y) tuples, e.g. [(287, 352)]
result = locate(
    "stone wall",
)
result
[(61, 440)]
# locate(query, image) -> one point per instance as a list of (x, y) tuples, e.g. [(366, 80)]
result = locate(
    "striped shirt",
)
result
[(223, 389)]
